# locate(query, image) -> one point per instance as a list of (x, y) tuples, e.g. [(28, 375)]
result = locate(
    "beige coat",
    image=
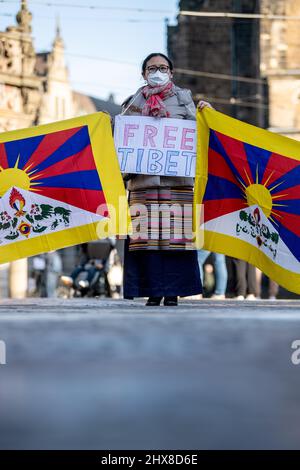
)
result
[(180, 106)]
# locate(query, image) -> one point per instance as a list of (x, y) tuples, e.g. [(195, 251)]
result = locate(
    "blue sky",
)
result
[(123, 37)]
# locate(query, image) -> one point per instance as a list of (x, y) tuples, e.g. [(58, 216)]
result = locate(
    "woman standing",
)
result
[(159, 264)]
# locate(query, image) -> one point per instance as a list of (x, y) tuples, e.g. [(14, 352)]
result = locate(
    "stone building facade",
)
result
[(20, 87), (220, 46), (266, 52), (280, 64)]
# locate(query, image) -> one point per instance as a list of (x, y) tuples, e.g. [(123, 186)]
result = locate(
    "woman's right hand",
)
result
[(204, 104)]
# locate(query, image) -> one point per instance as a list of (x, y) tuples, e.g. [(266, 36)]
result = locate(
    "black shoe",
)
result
[(153, 301), (170, 301)]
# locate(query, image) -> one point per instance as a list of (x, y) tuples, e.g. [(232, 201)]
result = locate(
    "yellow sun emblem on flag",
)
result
[(261, 195), (22, 179)]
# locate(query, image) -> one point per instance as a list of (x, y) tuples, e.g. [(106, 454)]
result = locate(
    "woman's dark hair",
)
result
[(155, 54)]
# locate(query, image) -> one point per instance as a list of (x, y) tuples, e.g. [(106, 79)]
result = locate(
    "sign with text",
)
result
[(156, 146)]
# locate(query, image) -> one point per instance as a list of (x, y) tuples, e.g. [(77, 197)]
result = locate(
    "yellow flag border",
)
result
[(225, 244), (100, 133)]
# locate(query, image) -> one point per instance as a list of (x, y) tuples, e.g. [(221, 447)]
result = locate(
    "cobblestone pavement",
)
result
[(99, 374)]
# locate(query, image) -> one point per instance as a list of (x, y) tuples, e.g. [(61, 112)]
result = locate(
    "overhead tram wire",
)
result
[(100, 85), (195, 73), (218, 100), (91, 7), (100, 59), (221, 76), (233, 102), (177, 70), (93, 18), (205, 14), (248, 16)]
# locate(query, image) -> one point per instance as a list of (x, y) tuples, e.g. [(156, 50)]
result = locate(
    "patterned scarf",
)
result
[(155, 97)]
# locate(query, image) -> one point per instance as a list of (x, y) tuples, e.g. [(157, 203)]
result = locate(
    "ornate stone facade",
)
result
[(34, 88), (20, 88)]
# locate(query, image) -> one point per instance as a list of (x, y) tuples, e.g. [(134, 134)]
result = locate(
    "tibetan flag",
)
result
[(248, 180), (60, 185)]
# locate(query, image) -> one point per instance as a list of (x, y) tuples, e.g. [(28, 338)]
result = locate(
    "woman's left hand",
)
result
[(204, 104)]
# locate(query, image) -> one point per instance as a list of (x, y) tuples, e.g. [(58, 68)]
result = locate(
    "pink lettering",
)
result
[(168, 137), (128, 133), (186, 139), (149, 134)]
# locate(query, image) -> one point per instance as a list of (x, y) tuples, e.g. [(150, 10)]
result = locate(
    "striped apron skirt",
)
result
[(160, 259)]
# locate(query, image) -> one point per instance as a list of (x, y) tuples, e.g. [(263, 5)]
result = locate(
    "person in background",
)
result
[(273, 287), (242, 279), (220, 271), (47, 268)]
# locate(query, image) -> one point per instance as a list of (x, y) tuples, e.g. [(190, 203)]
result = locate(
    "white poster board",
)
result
[(156, 146)]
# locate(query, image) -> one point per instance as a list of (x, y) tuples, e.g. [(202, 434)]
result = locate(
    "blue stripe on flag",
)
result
[(88, 179), (220, 188)]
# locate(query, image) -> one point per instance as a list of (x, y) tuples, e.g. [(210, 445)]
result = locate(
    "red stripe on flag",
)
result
[(217, 166), (285, 194), (3, 157), (236, 153), (81, 161), (278, 166), (86, 199), (49, 144), (290, 221), (217, 208)]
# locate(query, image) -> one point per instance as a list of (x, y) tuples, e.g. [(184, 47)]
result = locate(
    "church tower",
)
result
[(57, 102)]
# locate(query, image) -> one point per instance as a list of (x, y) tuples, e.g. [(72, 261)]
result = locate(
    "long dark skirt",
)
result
[(150, 273)]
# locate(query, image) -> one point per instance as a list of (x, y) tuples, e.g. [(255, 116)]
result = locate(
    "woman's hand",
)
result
[(204, 104)]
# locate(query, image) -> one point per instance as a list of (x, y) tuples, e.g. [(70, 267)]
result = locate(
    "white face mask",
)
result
[(158, 78)]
